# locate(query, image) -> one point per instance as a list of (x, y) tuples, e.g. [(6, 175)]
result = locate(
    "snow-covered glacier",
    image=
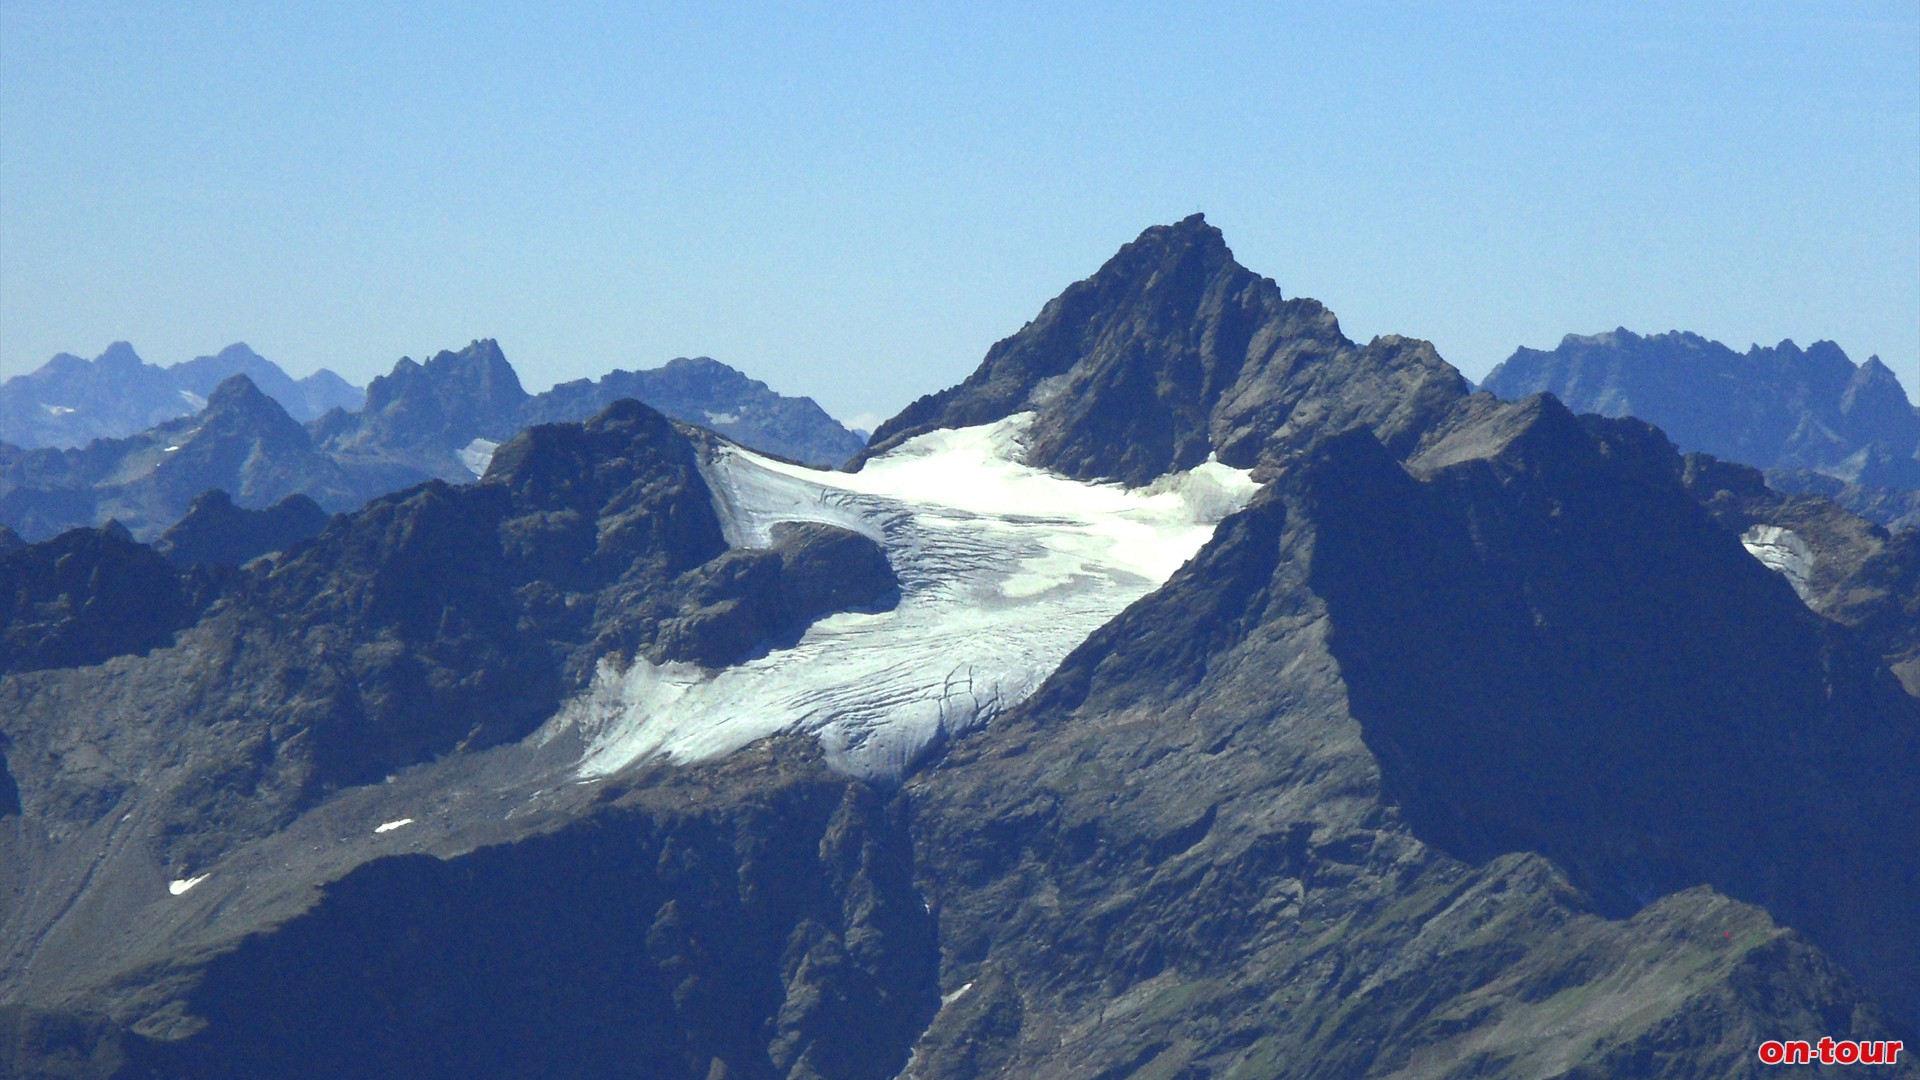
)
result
[(1003, 570)]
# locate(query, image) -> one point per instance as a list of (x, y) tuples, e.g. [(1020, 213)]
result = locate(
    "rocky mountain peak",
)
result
[(707, 373), (238, 407), (1171, 352), (703, 391), (697, 363), (481, 371), (477, 376), (1874, 398), (239, 353), (202, 374), (84, 596), (70, 401), (431, 411), (216, 531), (1185, 253), (120, 357), (238, 393), (623, 440)]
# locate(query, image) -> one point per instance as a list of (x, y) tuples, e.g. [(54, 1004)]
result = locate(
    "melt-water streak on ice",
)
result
[(1003, 570)]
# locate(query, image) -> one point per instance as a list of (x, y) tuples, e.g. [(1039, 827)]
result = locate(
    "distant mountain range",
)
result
[(1811, 418), (437, 420), (1191, 692), (243, 442), (442, 418), (69, 402)]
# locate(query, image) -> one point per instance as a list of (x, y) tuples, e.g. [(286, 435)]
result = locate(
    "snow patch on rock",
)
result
[(389, 826), (1782, 551), (477, 455), (180, 886)]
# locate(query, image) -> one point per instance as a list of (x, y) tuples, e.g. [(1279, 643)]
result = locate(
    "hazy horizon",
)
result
[(865, 422)]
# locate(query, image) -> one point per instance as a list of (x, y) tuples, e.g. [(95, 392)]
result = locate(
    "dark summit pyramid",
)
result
[(1173, 351)]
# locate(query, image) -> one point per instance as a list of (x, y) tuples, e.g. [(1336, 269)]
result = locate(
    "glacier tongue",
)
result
[(1003, 569)]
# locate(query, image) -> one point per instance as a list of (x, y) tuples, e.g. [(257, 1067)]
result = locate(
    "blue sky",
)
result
[(854, 201)]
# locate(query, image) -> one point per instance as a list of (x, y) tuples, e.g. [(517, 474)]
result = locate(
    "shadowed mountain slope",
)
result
[(215, 532), (85, 596), (1436, 769)]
